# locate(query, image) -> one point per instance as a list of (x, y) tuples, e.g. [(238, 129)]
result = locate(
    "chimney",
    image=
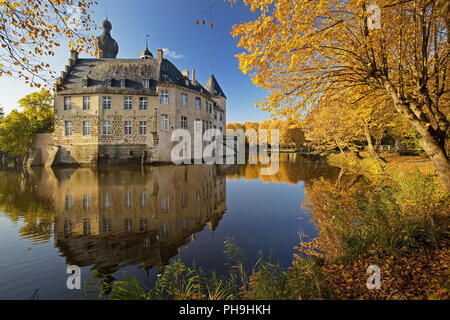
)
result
[(185, 73), (160, 55), (74, 56), (193, 76)]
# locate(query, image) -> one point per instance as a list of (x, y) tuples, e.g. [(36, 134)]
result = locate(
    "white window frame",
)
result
[(184, 122), (68, 128), (67, 103), (127, 127), (123, 83), (184, 99), (128, 103), (146, 83), (164, 97), (164, 122), (86, 102), (142, 128), (108, 83), (198, 126), (106, 104), (143, 103), (106, 128), (198, 103), (86, 128)]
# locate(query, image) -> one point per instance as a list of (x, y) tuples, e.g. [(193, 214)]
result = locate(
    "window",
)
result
[(84, 83), (122, 83), (165, 229), (186, 82), (143, 224), (165, 203), (164, 97), (142, 128), (146, 83), (108, 83), (67, 227), (67, 103), (128, 225), (86, 227), (184, 99), (69, 126), (198, 103), (68, 202), (106, 225), (183, 123), (143, 199), (128, 200), (165, 122), (86, 202), (220, 128), (220, 116), (127, 103), (143, 103), (210, 107), (198, 125), (106, 103), (106, 128), (106, 201), (184, 200), (86, 128), (215, 115), (127, 128), (86, 103)]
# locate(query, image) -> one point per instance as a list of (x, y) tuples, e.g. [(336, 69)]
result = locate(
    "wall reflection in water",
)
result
[(112, 217)]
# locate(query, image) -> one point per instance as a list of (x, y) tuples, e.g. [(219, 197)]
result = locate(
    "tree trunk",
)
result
[(370, 147), (437, 155), (434, 146)]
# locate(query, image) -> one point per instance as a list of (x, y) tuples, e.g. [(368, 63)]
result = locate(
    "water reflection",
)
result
[(108, 218), (112, 217)]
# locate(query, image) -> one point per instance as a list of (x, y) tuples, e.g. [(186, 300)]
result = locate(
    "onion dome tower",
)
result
[(105, 45), (146, 54)]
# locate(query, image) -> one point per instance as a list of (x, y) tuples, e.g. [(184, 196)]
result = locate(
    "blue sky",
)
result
[(171, 24)]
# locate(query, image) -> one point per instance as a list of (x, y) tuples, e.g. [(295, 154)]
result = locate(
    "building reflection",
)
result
[(111, 217)]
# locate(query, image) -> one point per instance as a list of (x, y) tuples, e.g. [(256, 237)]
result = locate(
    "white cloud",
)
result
[(172, 54)]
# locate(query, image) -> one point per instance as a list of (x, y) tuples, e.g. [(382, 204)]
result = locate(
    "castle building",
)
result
[(110, 110)]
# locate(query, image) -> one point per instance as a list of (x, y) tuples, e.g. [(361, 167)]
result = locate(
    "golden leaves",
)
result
[(29, 30)]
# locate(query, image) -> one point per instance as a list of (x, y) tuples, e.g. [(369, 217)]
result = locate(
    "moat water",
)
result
[(122, 221)]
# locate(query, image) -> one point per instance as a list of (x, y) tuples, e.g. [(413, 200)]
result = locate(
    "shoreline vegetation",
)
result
[(400, 223)]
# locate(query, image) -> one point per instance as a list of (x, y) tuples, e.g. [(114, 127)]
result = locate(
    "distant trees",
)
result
[(290, 135), (18, 127)]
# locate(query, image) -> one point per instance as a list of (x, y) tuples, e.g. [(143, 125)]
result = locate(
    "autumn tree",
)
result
[(38, 108), (303, 51), (15, 133), (30, 30)]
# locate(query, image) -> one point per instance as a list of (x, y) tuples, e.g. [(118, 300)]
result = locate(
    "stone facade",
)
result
[(110, 110)]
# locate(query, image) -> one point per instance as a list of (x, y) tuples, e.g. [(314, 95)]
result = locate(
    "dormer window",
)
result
[(122, 83), (186, 82), (146, 83), (108, 83), (84, 82)]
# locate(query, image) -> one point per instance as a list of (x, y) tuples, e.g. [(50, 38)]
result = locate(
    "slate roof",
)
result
[(98, 70), (213, 87)]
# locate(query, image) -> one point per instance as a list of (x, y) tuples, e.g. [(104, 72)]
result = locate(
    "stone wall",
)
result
[(117, 147)]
